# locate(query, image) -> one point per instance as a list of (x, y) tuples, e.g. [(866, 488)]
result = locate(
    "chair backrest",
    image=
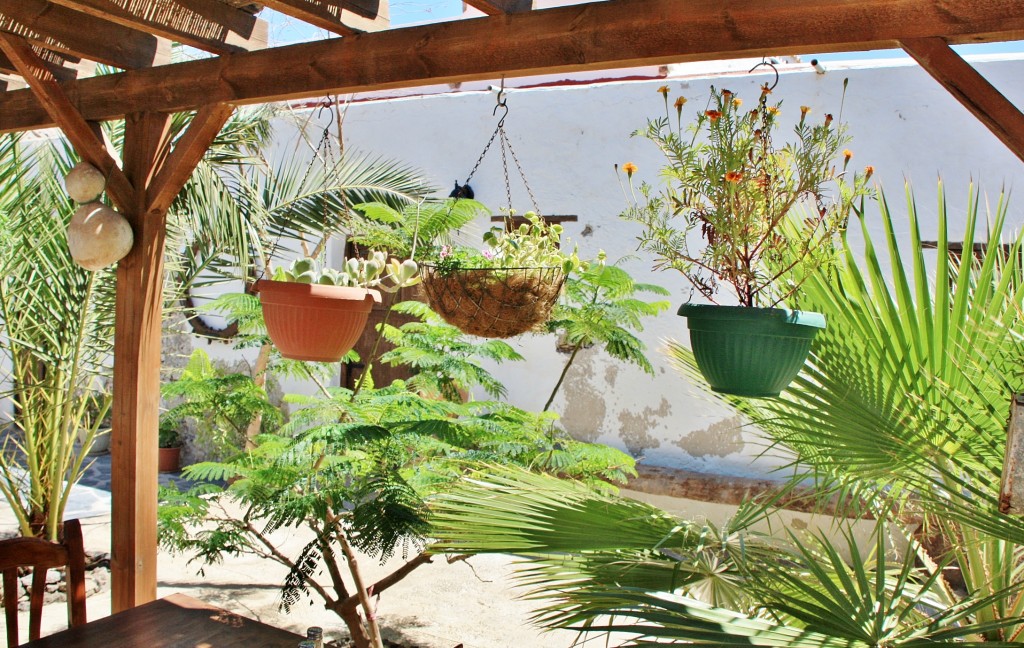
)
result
[(41, 556)]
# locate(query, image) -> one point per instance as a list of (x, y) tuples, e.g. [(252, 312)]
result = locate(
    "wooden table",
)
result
[(177, 621)]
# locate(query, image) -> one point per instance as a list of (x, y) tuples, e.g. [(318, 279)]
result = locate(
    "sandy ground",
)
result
[(439, 605)]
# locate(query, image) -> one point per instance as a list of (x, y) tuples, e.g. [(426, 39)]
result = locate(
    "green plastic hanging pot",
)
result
[(753, 352)]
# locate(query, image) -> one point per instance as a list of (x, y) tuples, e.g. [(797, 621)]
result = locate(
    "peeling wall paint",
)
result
[(720, 439)]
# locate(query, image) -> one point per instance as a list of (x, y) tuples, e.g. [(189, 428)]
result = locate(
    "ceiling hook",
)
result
[(765, 62), (326, 104)]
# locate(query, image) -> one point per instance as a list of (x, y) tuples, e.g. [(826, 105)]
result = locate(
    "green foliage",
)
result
[(220, 404), (447, 363), (901, 410), (728, 183), (55, 371), (370, 272), (533, 244), (410, 232)]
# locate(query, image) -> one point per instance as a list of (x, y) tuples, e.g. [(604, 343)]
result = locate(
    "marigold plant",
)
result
[(730, 196)]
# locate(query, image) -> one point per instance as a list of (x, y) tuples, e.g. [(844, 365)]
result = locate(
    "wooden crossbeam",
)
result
[(81, 135), (188, 150), (599, 35), (81, 35), (344, 17), (971, 89), (497, 7), (232, 30)]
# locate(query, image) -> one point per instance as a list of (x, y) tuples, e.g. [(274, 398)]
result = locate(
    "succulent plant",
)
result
[(371, 272)]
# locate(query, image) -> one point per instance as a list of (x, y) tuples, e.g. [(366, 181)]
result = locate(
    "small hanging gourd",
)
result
[(98, 236), (84, 183)]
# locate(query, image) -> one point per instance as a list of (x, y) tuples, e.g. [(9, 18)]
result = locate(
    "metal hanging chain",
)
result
[(506, 148)]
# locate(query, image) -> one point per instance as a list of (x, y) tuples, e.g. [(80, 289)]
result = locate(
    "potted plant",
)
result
[(506, 289), (318, 315), (169, 442), (738, 209)]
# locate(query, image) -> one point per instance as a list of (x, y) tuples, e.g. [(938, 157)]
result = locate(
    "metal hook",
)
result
[(326, 104), (502, 103), (767, 63)]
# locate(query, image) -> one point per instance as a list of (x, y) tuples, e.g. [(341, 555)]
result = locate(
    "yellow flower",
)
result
[(737, 102), (804, 110), (629, 168), (847, 154), (773, 110), (733, 176), (664, 91)]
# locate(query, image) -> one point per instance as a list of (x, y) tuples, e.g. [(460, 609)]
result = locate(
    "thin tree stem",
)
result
[(561, 378)]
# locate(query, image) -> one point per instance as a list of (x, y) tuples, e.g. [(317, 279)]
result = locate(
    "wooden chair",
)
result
[(41, 556)]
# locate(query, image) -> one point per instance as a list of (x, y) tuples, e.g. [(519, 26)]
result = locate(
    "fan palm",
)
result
[(901, 409)]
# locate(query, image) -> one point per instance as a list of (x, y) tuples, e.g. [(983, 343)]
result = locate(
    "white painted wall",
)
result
[(569, 139)]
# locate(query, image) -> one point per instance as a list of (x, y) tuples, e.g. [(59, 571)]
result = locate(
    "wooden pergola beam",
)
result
[(81, 134), (498, 7), (52, 62), (591, 36), (232, 30), (971, 89), (81, 35), (343, 17)]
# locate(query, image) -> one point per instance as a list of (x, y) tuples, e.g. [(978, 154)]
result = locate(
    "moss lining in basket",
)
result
[(493, 302)]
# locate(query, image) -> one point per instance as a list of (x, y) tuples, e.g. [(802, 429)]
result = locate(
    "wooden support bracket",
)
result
[(57, 105), (971, 89), (1011, 490)]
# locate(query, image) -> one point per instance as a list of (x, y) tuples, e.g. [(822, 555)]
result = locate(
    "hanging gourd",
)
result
[(84, 183), (98, 236)]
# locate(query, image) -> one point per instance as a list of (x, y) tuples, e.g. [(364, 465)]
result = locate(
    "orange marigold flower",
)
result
[(847, 154), (737, 102), (765, 90), (680, 102), (663, 90), (629, 168), (804, 110), (713, 115), (868, 170), (726, 93), (828, 119), (733, 176)]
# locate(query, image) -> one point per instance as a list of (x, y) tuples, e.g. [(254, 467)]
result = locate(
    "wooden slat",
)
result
[(187, 153), (81, 135), (497, 7), (600, 35), (240, 31), (59, 72), (137, 318), (344, 17), (79, 34), (971, 89)]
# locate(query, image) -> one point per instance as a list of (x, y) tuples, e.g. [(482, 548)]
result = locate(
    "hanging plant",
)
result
[(765, 217), (318, 315), (505, 289)]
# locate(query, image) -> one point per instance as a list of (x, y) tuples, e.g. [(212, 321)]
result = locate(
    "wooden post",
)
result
[(140, 279), (1011, 490)]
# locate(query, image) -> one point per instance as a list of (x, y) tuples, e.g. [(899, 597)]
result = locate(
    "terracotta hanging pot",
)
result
[(752, 352), (314, 322), (169, 460)]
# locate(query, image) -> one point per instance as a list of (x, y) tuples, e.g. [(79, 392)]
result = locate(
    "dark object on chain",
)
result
[(462, 191)]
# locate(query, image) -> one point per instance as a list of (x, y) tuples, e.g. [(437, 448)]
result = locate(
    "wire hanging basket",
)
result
[(493, 302)]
